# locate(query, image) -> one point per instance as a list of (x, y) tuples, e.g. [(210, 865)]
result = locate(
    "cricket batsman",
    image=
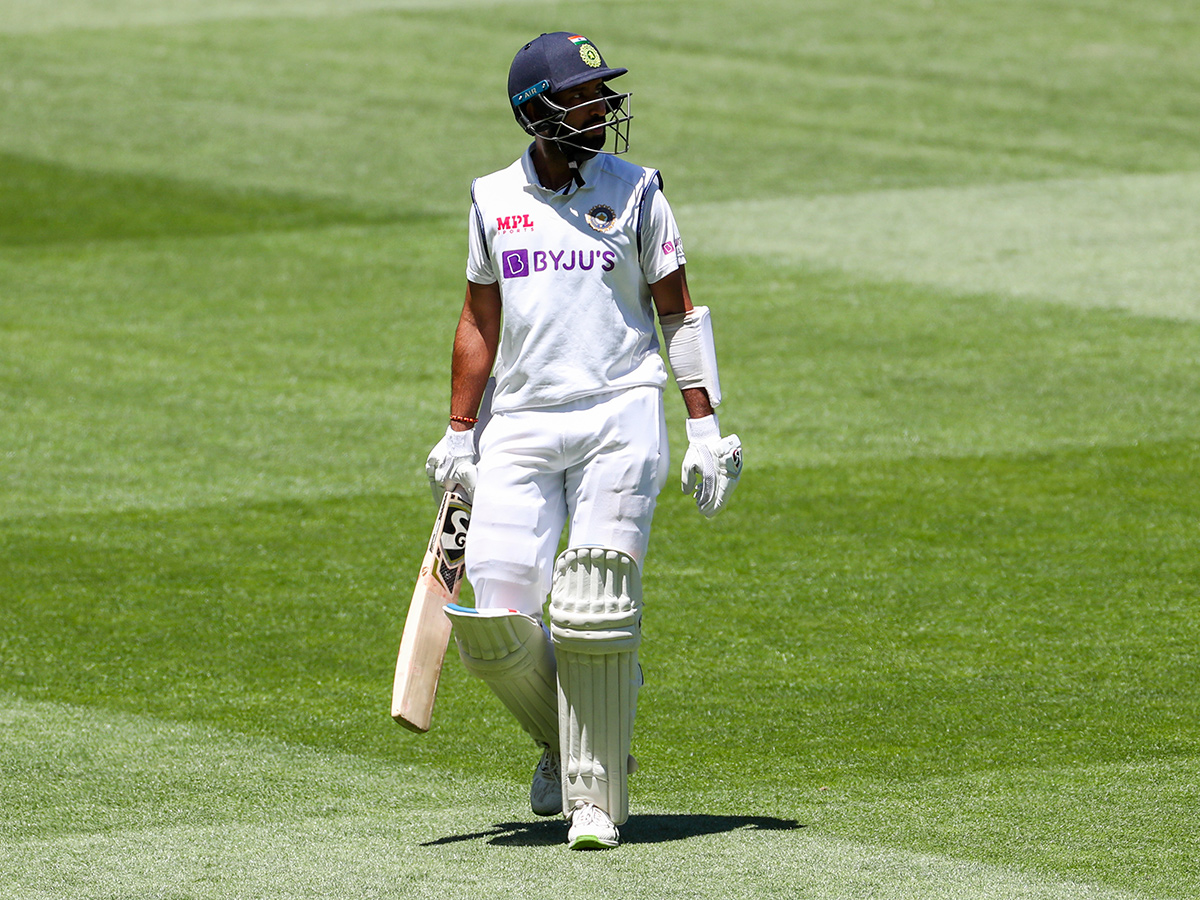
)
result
[(573, 253)]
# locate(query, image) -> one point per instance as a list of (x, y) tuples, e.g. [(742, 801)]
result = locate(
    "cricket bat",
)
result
[(426, 628)]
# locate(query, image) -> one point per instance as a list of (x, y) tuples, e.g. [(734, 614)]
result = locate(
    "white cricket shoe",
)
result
[(545, 794), (591, 829)]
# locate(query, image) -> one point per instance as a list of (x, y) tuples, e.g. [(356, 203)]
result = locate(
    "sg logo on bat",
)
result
[(454, 532)]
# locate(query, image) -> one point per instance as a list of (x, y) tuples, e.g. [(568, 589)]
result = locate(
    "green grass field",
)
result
[(942, 645)]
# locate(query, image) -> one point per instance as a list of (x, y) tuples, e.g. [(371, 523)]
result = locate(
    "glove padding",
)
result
[(452, 461), (711, 466)]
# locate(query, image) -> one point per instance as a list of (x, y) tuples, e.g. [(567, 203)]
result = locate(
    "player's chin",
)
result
[(593, 139)]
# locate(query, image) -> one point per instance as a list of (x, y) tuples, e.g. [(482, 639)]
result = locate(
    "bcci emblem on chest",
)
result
[(601, 218)]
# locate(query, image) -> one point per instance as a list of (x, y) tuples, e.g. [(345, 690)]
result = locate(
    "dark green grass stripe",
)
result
[(51, 203), (939, 615), (973, 620), (871, 619)]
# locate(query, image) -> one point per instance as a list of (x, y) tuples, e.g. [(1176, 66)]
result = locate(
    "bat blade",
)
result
[(426, 628)]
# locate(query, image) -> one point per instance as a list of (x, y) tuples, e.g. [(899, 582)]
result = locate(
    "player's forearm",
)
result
[(468, 379), (697, 403), (475, 342)]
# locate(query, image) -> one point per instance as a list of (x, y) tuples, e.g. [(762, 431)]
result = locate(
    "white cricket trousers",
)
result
[(595, 465)]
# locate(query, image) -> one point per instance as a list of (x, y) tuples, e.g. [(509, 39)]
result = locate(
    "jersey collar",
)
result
[(586, 168)]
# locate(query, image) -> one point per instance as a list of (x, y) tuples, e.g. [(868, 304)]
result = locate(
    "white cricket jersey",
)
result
[(574, 268)]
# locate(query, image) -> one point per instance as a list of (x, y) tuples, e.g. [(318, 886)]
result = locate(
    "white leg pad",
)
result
[(596, 627), (511, 652)]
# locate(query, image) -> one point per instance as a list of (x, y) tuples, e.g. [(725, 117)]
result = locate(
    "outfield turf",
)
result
[(942, 644)]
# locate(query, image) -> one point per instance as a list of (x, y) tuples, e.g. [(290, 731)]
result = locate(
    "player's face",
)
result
[(587, 109)]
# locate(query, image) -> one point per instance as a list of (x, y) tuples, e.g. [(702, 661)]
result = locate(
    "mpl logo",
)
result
[(511, 224)]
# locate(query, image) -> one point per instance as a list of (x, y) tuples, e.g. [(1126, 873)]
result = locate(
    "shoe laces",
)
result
[(548, 766), (587, 815)]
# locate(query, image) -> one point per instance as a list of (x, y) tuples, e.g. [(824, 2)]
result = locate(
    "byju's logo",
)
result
[(515, 263), (522, 263)]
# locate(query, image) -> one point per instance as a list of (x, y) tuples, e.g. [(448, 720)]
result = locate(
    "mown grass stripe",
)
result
[(147, 809), (1127, 242), (26, 18), (49, 203), (376, 858)]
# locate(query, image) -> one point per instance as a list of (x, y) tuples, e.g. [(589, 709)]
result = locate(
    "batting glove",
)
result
[(452, 461), (711, 466)]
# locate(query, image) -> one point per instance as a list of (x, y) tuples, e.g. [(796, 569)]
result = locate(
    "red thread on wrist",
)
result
[(466, 420)]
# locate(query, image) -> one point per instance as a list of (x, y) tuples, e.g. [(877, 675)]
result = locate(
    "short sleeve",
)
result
[(661, 244), (479, 261)]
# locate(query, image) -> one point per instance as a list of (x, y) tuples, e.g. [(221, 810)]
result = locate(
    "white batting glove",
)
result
[(452, 461), (711, 466)]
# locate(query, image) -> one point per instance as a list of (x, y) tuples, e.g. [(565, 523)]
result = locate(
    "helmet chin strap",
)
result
[(575, 156)]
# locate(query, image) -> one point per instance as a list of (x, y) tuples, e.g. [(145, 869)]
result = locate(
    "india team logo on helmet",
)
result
[(587, 51), (601, 218)]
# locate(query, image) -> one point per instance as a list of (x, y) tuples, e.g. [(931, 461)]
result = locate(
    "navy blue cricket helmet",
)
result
[(555, 62)]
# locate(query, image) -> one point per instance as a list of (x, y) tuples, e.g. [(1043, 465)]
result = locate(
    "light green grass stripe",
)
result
[(33, 16), (1128, 242), (104, 805), (362, 858)]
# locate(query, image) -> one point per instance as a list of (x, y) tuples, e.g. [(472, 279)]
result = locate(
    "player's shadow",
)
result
[(647, 829)]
